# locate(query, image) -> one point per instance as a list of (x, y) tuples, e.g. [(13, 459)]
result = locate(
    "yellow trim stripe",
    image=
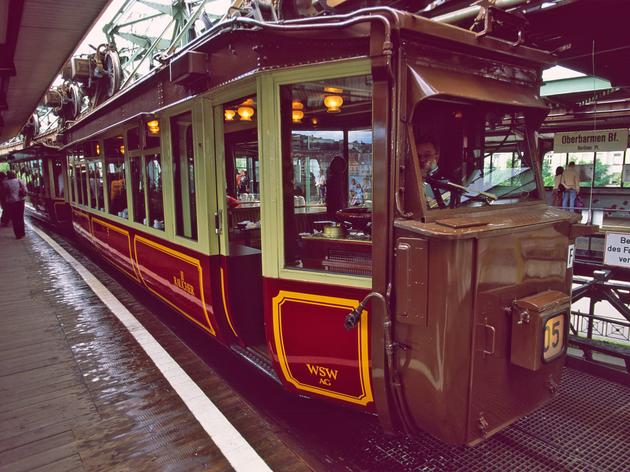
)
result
[(87, 217), (185, 258), (107, 225), (224, 298), (362, 341)]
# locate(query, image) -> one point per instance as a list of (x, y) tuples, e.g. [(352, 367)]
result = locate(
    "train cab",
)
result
[(482, 267)]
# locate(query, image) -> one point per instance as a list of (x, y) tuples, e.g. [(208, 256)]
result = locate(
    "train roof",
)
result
[(263, 46)]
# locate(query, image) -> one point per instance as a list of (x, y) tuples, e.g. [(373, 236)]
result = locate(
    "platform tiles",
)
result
[(78, 392)]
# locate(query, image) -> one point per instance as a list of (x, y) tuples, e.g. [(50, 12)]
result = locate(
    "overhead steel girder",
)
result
[(145, 41)]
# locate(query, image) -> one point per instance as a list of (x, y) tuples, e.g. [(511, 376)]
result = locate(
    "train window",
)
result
[(241, 167), (137, 190), (33, 176), (133, 139), (77, 172), (96, 184), (115, 176), (152, 136), (469, 156), (184, 176), (327, 175), (58, 181), (153, 170), (71, 178), (84, 180)]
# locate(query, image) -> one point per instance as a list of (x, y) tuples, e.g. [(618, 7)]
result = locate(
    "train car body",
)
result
[(43, 170), (269, 185)]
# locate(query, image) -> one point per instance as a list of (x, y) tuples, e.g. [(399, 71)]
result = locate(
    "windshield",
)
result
[(472, 156)]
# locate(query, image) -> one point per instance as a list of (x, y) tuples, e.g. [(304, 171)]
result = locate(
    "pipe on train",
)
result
[(464, 13)]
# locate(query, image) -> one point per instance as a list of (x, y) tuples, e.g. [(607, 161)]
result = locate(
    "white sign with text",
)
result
[(617, 250), (590, 141)]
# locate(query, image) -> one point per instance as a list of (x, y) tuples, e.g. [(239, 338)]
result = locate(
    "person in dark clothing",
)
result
[(4, 219), (14, 193), (335, 194)]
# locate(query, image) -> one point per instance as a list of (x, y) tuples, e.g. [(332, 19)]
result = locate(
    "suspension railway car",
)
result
[(43, 169), (353, 204)]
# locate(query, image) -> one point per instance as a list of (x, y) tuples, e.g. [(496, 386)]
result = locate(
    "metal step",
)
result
[(257, 360)]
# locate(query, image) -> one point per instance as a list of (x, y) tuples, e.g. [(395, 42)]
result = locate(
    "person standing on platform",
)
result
[(321, 186), (571, 183), (14, 192), (4, 219), (558, 188)]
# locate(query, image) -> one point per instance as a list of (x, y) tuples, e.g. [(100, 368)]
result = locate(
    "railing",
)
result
[(603, 341)]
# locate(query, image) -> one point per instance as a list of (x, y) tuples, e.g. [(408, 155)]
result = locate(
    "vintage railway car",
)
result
[(43, 170), (353, 203)]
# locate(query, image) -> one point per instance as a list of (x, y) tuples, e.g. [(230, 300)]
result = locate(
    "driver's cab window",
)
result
[(327, 175), (471, 156)]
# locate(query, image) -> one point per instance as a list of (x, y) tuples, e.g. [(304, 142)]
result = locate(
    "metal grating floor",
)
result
[(587, 428)]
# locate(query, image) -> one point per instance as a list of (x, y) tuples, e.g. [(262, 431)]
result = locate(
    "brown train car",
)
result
[(353, 203), (43, 169)]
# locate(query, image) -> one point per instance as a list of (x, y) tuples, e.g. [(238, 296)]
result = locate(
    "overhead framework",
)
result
[(142, 34), (138, 38)]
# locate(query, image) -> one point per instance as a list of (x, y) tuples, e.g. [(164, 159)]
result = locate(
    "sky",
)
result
[(96, 35)]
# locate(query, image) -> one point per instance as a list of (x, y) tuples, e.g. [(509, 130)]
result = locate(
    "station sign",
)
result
[(617, 250), (591, 141)]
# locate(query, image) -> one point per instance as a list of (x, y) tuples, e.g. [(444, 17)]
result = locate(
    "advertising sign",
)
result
[(591, 141)]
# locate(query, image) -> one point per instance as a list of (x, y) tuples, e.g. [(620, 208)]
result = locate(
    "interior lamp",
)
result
[(121, 149), (333, 103), (333, 90), (245, 112), (229, 114), (153, 127), (297, 114)]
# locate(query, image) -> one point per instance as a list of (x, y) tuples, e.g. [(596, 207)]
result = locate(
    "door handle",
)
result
[(488, 342)]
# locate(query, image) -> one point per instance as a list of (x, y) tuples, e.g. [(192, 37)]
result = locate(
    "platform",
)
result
[(79, 393)]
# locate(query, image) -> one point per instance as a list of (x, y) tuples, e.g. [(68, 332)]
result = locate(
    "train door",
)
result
[(317, 245), (239, 220)]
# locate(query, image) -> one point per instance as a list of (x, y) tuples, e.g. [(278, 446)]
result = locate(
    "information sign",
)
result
[(590, 141), (617, 250)]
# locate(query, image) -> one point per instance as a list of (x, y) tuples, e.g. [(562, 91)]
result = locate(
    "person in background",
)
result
[(321, 186), (357, 195), (571, 183), (558, 188), (335, 193), (367, 188), (243, 183), (428, 158), (14, 193), (5, 218)]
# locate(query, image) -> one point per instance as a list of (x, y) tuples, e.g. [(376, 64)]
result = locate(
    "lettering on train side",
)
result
[(181, 283), (325, 375)]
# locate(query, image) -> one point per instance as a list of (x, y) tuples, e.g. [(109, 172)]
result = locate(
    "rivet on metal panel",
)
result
[(160, 90)]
